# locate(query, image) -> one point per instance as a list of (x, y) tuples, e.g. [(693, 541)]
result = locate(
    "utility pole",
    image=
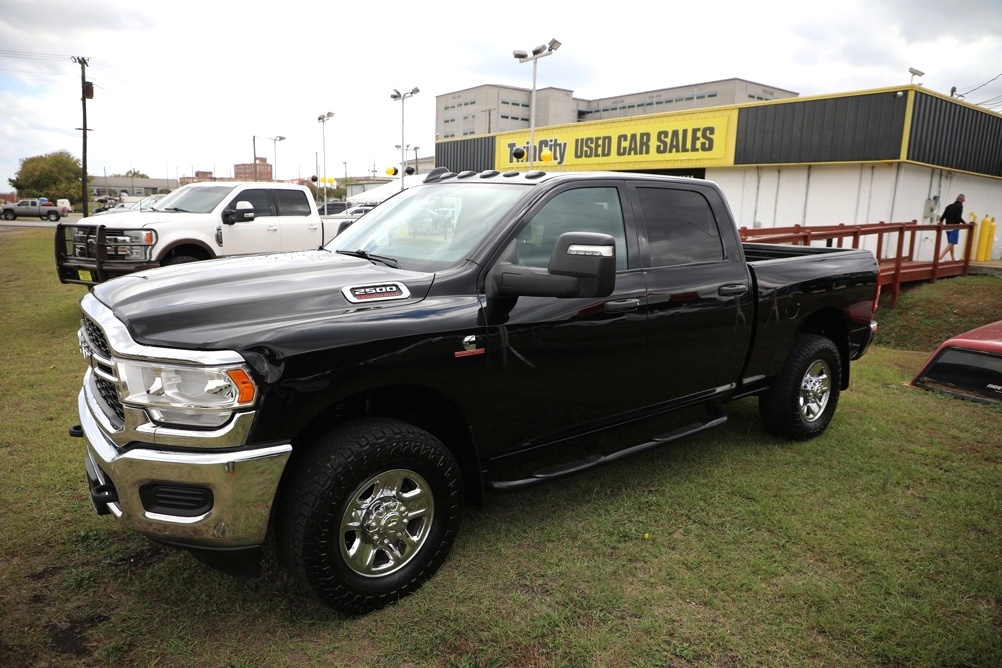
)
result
[(86, 91)]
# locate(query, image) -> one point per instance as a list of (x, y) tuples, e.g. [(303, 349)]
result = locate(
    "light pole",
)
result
[(274, 144), (539, 52), (397, 95), (415, 159), (322, 119)]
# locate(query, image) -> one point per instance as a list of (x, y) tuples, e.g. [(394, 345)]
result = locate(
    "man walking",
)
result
[(952, 215)]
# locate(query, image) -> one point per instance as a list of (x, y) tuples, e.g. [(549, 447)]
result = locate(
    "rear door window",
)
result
[(292, 203), (681, 227)]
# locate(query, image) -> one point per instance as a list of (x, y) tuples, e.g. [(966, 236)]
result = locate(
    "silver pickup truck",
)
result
[(28, 208)]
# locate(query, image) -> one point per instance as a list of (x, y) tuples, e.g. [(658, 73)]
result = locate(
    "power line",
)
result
[(984, 84)]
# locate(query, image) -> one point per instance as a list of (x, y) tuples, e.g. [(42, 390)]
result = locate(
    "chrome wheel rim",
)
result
[(815, 391), (386, 522)]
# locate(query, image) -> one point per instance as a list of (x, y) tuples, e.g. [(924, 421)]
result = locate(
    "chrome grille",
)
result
[(96, 337), (95, 348)]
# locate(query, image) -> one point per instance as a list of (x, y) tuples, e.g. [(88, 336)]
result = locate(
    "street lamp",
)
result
[(915, 73), (274, 143), (540, 51), (397, 95), (415, 159), (322, 119)]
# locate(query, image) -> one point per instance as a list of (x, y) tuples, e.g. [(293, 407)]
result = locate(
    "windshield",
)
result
[(194, 200), (430, 228)]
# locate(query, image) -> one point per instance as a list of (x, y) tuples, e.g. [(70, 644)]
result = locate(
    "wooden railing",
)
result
[(896, 247)]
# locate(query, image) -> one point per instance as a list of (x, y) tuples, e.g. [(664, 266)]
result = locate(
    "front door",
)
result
[(568, 365)]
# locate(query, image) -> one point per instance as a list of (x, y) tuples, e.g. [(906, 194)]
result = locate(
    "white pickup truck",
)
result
[(200, 221)]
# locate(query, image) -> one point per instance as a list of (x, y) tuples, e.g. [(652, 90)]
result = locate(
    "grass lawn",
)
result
[(878, 544)]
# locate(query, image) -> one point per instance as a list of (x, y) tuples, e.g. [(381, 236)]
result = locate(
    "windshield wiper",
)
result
[(174, 209), (365, 255)]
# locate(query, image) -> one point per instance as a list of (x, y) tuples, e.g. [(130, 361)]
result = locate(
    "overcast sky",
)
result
[(183, 86)]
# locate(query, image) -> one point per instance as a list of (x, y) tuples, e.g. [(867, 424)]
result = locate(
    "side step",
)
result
[(715, 416)]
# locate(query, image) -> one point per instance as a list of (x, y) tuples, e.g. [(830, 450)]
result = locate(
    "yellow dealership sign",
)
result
[(695, 139)]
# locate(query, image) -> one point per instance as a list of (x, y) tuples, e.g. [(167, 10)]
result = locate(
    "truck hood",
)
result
[(134, 219), (246, 301)]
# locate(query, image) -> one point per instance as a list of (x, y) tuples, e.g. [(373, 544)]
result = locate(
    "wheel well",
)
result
[(420, 406), (831, 324), (193, 250)]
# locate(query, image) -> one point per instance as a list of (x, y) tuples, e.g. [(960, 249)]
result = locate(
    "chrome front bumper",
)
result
[(242, 485)]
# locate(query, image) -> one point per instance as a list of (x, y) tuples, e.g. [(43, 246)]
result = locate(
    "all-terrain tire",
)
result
[(803, 398), (369, 512)]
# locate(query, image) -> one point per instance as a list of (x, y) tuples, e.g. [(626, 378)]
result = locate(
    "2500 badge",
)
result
[(373, 293)]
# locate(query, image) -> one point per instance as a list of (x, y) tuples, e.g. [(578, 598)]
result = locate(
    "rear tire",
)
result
[(803, 398), (53, 216), (369, 513)]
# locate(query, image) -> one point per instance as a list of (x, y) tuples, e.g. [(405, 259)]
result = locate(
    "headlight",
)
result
[(195, 396), (130, 244)]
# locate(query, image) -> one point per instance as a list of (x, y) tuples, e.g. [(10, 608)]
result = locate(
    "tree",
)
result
[(53, 175), (132, 173)]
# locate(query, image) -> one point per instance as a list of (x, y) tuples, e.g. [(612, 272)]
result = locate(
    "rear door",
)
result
[(299, 229), (699, 300)]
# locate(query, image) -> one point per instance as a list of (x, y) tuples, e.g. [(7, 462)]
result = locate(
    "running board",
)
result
[(715, 416)]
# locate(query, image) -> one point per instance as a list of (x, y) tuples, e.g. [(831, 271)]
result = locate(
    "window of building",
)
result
[(681, 228)]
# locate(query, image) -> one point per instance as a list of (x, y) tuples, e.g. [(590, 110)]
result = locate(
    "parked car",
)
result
[(145, 204), (64, 206), (332, 208), (968, 365)]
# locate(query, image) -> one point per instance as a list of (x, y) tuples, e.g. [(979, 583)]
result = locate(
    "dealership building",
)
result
[(893, 154)]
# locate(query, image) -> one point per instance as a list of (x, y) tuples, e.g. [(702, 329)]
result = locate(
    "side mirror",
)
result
[(244, 213), (583, 264)]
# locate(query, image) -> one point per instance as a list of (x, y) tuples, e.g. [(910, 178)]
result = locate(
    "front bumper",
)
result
[(239, 485)]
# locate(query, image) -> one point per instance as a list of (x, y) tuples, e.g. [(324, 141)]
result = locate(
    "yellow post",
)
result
[(983, 248), (991, 240)]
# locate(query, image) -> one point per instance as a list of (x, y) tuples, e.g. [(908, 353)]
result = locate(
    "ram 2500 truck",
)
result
[(478, 331), (200, 221)]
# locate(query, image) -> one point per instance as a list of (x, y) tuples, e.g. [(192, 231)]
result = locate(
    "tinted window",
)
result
[(292, 203), (579, 210), (681, 228), (258, 197)]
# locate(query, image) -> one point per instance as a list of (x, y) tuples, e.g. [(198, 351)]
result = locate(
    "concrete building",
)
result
[(489, 109), (117, 186)]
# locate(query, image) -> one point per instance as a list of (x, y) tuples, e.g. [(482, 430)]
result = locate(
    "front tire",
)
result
[(9, 215), (803, 398), (178, 259), (369, 513)]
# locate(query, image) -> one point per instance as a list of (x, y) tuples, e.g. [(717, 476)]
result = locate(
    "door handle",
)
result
[(732, 290), (622, 306), (273, 228)]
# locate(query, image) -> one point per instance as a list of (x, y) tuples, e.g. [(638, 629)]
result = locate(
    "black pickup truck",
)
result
[(478, 331)]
